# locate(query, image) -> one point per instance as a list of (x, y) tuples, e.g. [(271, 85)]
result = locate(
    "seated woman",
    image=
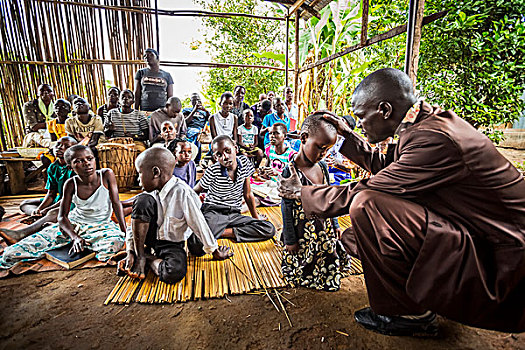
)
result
[(36, 113), (46, 208), (127, 122), (95, 196)]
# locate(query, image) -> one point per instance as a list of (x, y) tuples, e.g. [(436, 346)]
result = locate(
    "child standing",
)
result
[(224, 122), (314, 257), (279, 116), (163, 218), (248, 138), (185, 168), (95, 195), (278, 152), (57, 126), (225, 181), (127, 122)]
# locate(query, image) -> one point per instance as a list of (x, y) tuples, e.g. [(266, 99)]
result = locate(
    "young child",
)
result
[(224, 122), (165, 230), (57, 127), (225, 182), (279, 116), (127, 122), (278, 152), (248, 137), (185, 169), (314, 257), (46, 208), (95, 195), (84, 125)]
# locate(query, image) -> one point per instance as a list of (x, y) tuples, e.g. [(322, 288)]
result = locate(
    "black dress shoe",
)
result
[(395, 325)]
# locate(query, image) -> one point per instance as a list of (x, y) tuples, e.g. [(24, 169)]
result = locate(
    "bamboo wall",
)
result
[(47, 41)]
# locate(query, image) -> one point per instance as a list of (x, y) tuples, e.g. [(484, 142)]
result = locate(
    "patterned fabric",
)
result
[(321, 260), (412, 113), (105, 239), (248, 135), (32, 114), (54, 127), (279, 161)]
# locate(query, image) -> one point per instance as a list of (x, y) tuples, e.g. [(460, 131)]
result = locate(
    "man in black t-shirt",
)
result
[(153, 86)]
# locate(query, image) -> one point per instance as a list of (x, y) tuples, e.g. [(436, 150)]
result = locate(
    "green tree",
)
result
[(472, 61), (243, 40)]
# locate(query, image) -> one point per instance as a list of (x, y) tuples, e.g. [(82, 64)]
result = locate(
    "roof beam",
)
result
[(295, 7)]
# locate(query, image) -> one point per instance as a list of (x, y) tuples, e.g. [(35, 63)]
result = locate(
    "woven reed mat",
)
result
[(254, 266)]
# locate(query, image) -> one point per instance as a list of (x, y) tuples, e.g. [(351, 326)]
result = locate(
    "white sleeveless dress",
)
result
[(224, 126), (91, 219)]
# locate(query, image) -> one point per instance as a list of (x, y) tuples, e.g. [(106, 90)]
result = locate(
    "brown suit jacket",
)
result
[(471, 266)]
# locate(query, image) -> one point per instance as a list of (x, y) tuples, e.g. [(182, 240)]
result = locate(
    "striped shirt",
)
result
[(133, 123), (222, 190)]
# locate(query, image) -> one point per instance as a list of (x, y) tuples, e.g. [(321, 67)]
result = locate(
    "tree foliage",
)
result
[(243, 40), (472, 61)]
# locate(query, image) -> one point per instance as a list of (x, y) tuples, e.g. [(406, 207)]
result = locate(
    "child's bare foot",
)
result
[(139, 268), (11, 236)]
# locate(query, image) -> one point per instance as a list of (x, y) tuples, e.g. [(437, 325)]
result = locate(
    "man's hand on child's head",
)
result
[(222, 253)]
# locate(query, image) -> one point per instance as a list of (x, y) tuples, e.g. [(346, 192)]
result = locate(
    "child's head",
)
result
[(80, 158), (173, 106), (224, 151), (262, 97), (248, 117), (62, 108), (183, 152), (278, 105), (62, 145), (155, 167), (195, 99), (317, 136), (71, 98), (113, 95), (167, 130), (288, 93), (226, 102), (271, 96), (264, 108), (278, 134), (239, 92), (127, 98), (81, 106)]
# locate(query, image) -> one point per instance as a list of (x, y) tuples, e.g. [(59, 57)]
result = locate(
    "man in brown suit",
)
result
[(440, 227)]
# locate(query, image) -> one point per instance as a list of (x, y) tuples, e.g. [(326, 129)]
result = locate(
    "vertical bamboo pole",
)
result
[(286, 49), (296, 75)]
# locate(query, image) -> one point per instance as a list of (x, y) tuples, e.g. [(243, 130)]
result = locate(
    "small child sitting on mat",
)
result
[(227, 182), (185, 169), (314, 257), (95, 195), (163, 217), (278, 152), (46, 208)]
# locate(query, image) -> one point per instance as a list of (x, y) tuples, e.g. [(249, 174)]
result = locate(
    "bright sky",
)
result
[(176, 34)]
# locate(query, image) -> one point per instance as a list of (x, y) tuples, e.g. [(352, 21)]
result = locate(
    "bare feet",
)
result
[(11, 236), (133, 266), (228, 233)]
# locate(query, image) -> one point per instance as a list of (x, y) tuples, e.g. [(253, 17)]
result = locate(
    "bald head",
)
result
[(158, 157), (386, 84)]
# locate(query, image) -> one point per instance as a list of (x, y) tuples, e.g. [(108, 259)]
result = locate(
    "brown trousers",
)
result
[(387, 234)]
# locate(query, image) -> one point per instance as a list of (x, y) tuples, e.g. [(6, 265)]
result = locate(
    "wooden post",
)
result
[(157, 25), (296, 75), (411, 23), (286, 60), (414, 60), (364, 23)]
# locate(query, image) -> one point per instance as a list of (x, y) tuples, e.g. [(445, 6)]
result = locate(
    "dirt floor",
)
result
[(64, 310)]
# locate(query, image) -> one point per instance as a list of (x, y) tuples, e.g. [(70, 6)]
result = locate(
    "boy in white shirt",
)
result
[(163, 217)]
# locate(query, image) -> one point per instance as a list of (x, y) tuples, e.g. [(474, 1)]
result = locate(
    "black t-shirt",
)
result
[(154, 88)]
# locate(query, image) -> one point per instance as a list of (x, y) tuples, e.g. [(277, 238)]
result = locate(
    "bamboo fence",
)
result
[(43, 42)]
